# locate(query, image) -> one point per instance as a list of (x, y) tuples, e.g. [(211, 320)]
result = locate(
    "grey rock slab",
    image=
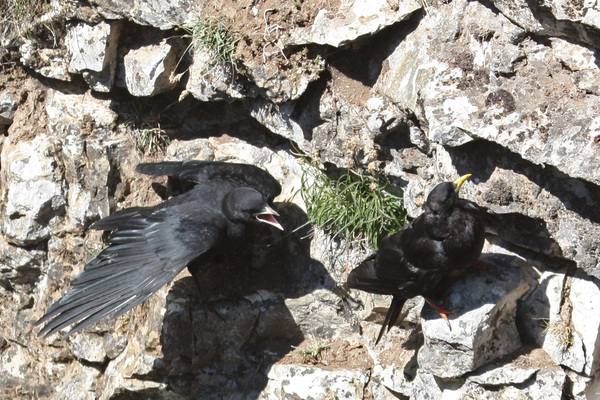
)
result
[(19, 265), (280, 87), (585, 318), (51, 63), (64, 107), (394, 379), (88, 347), (8, 106), (157, 13), (353, 20), (211, 79), (567, 329), (503, 375), (554, 18), (425, 387), (538, 112), (312, 383), (483, 329), (547, 383), (84, 159), (318, 315), (150, 68), (34, 192), (80, 384), (574, 56), (93, 50), (542, 306)]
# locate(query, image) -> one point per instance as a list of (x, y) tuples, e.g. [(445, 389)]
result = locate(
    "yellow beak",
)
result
[(458, 183)]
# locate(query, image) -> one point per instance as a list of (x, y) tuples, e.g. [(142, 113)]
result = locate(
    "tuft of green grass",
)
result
[(152, 141), (352, 207), (214, 34), (312, 353)]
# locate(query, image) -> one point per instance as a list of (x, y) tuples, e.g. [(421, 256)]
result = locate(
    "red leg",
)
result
[(478, 264), (441, 310)]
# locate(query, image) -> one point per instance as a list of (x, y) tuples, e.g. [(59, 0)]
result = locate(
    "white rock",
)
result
[(35, 194), (88, 347), (585, 298), (150, 69), (483, 330), (313, 383), (51, 63), (575, 57), (353, 20), (8, 106), (211, 79), (93, 50)]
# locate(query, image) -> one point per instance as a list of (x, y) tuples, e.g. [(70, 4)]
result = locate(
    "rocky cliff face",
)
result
[(418, 91)]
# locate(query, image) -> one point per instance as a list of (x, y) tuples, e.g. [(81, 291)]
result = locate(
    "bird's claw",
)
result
[(442, 310)]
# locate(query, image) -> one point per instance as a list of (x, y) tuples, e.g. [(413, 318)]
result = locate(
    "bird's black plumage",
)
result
[(427, 255), (149, 246)]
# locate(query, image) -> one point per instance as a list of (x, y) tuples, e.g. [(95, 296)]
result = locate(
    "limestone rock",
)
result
[(560, 18), (485, 106), (34, 195), (211, 79), (80, 385), (501, 376), (548, 383), (484, 329), (318, 315), (425, 387), (353, 20), (541, 309), (88, 347), (312, 383), (150, 69), (160, 14), (8, 106), (93, 50), (52, 63), (81, 122), (280, 88), (18, 265), (568, 334)]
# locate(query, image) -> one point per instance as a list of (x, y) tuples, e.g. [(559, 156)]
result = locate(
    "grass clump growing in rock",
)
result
[(152, 141), (20, 14), (214, 34), (312, 353), (353, 207)]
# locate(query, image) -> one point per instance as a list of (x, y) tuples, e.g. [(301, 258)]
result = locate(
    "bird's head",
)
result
[(444, 196), (246, 205)]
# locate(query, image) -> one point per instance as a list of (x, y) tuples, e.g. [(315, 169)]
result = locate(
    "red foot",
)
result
[(478, 265), (441, 310)]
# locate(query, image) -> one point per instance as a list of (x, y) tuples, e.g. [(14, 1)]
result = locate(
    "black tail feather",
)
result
[(392, 316)]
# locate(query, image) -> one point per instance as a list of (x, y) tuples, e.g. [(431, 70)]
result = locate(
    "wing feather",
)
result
[(146, 252), (203, 172)]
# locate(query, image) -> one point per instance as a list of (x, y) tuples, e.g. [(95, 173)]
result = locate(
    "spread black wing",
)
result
[(146, 250)]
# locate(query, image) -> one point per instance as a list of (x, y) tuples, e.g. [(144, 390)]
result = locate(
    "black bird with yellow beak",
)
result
[(149, 246), (427, 255)]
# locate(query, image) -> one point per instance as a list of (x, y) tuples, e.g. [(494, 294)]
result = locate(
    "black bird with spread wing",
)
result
[(426, 256), (149, 246)]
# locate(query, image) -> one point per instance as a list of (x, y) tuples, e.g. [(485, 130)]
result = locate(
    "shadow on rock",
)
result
[(228, 323)]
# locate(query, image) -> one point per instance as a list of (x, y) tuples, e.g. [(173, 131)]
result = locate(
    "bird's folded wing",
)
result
[(146, 252), (202, 172)]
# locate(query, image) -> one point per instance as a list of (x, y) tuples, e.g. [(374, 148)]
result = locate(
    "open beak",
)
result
[(458, 183), (267, 215)]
